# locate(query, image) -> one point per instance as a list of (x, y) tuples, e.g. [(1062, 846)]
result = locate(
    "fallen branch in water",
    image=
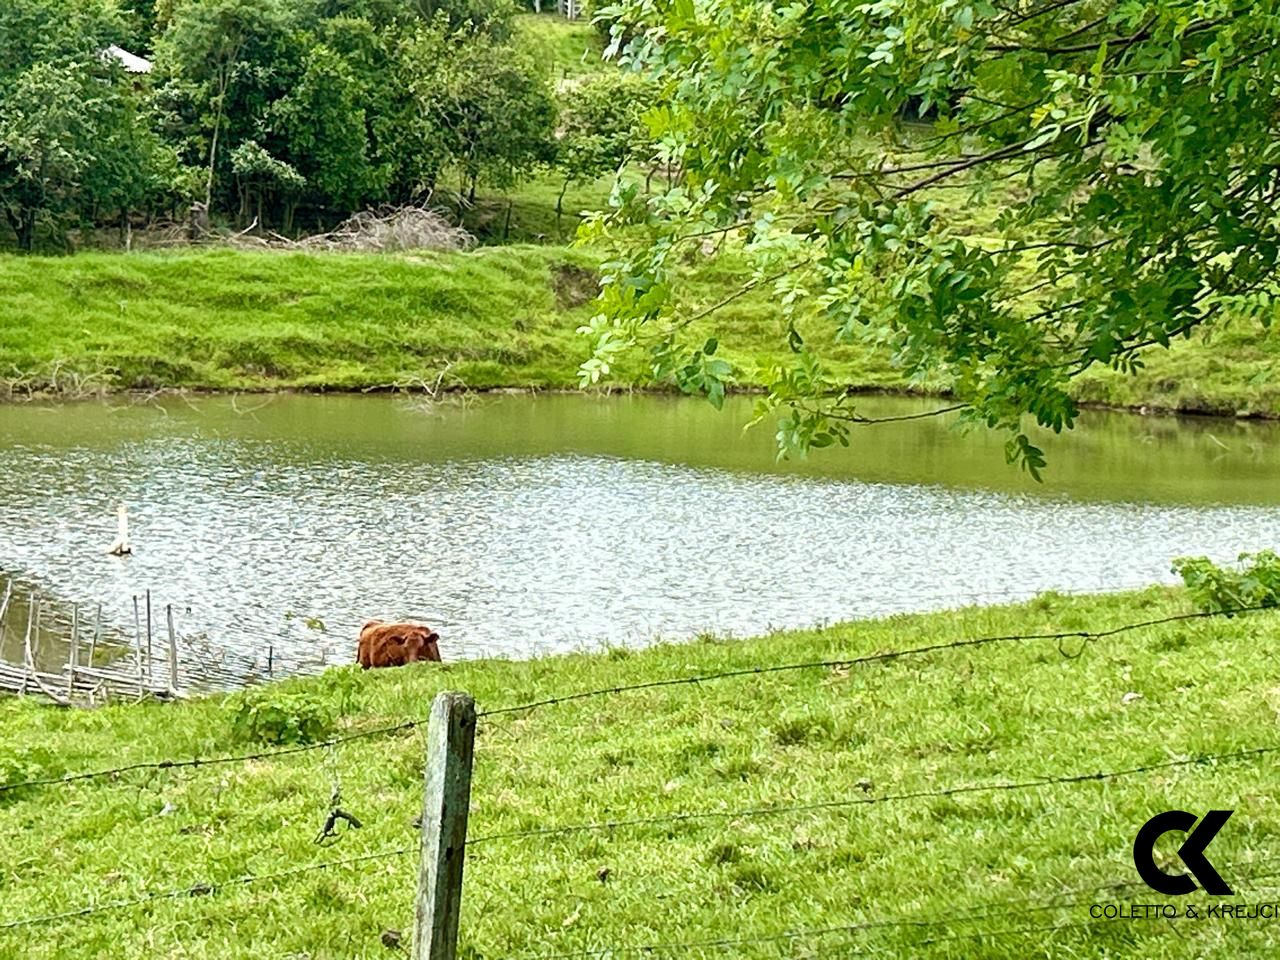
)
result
[(57, 380)]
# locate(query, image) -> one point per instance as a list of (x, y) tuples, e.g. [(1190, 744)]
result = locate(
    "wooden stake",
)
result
[(149, 654), (137, 645), (97, 633), (173, 652), (73, 655), (4, 608), (26, 643), (446, 799), (33, 650)]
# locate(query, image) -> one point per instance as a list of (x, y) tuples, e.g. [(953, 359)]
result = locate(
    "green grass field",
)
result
[(569, 48), (991, 874), (493, 317)]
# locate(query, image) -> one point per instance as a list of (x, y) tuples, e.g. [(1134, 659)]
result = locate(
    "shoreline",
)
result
[(503, 319), (138, 395)]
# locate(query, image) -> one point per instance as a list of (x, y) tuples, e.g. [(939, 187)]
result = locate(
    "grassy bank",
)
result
[(494, 317), (910, 869)]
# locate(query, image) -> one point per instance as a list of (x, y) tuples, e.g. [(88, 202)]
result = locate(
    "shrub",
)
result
[(26, 763), (276, 717), (1253, 582)]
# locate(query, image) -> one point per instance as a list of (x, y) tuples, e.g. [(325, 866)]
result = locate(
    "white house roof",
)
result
[(130, 62)]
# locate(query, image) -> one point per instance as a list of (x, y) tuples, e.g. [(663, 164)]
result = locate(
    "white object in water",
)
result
[(121, 546)]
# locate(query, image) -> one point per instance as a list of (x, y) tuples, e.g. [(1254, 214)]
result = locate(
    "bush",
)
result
[(1253, 582), (27, 763), (276, 717)]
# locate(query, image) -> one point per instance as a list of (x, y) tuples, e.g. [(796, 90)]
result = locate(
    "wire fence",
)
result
[(850, 931), (242, 657), (885, 656)]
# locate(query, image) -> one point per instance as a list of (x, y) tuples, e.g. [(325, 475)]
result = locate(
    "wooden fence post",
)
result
[(173, 652), (450, 739), (73, 655)]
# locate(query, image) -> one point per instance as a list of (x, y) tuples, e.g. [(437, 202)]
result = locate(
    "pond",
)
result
[(522, 525)]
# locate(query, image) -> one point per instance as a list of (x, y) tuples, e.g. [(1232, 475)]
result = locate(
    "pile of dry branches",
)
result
[(385, 230)]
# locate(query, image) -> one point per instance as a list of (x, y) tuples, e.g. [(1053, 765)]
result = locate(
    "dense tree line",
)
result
[(295, 113)]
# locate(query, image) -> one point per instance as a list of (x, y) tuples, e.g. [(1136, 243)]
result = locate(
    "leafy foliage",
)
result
[(1131, 146), (602, 127), (1254, 582), (73, 136), (273, 716), (21, 763), (261, 108)]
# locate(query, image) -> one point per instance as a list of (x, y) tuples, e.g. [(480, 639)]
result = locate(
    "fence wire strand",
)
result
[(1088, 636), (997, 910), (767, 811), (203, 889)]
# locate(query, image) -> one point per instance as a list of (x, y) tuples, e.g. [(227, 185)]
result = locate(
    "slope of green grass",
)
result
[(493, 317), (228, 320), (893, 877), (569, 48)]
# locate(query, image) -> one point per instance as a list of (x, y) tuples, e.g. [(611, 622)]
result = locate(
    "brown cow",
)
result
[(395, 644)]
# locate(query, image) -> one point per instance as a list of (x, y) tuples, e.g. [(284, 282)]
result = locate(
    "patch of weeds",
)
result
[(1047, 601), (342, 686), (275, 717), (796, 728), (26, 763), (752, 878), (695, 755), (613, 759), (722, 853), (1172, 640), (738, 767), (1254, 581)]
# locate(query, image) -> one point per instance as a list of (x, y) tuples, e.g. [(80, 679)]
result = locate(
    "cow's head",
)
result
[(423, 644)]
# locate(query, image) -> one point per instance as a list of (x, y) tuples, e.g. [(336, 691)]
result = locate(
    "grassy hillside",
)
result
[(569, 48), (497, 316), (920, 877)]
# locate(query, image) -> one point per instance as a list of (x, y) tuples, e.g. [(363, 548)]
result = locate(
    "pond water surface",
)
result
[(523, 525)]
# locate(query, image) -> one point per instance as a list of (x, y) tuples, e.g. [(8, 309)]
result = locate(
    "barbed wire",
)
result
[(773, 810), (202, 889), (992, 911), (883, 656), (1087, 636), (213, 760)]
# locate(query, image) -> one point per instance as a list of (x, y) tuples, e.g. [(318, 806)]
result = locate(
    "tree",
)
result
[(323, 120), (260, 176), (601, 127), (478, 104), (229, 60), (71, 143), (1130, 145), (491, 17)]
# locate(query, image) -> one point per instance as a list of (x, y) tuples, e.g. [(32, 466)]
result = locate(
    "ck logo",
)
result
[(1191, 853)]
